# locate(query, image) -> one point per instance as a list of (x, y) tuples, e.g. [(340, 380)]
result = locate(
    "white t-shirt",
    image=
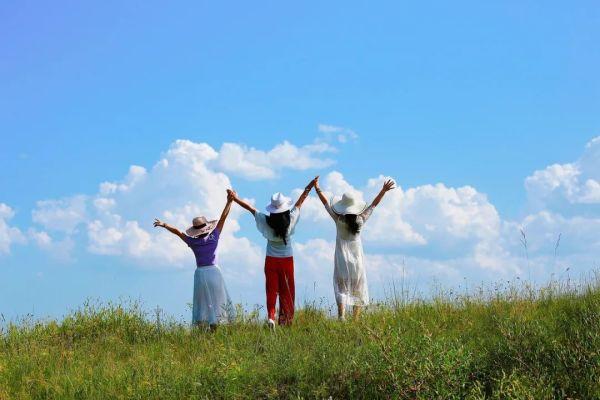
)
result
[(275, 245)]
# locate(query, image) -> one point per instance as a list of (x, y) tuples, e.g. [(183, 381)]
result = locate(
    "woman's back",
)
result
[(277, 246), (204, 248), (344, 225)]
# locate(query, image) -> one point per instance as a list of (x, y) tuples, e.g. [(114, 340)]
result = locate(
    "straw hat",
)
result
[(348, 204), (279, 203), (200, 226)]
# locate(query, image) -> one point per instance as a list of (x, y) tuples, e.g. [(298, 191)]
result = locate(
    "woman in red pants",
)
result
[(278, 228)]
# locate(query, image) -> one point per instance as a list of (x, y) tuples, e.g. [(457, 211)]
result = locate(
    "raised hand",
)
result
[(305, 193), (319, 192), (231, 195), (388, 185), (315, 182), (173, 230), (241, 202)]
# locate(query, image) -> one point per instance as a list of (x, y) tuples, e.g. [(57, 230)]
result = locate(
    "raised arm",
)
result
[(387, 186), (320, 192), (304, 194), (173, 230), (242, 203), (324, 200), (225, 212)]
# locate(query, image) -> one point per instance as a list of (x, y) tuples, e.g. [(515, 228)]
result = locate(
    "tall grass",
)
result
[(505, 342)]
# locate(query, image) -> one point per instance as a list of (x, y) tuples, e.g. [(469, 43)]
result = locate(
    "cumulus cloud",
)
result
[(257, 164), (9, 235), (61, 215), (422, 232), (564, 200), (559, 185), (117, 220), (429, 233), (315, 258), (579, 234), (449, 221)]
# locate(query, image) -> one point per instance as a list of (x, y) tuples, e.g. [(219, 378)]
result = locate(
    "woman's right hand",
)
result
[(158, 222)]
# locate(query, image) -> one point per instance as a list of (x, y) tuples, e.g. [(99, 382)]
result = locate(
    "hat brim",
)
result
[(209, 227), (282, 208), (340, 208)]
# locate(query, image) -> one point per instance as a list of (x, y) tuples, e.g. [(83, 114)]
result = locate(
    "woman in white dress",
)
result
[(349, 277)]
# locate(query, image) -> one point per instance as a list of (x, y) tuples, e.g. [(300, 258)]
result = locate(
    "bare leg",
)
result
[(341, 311), (356, 311)]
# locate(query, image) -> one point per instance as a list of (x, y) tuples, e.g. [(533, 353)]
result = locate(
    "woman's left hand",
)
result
[(388, 185), (158, 222)]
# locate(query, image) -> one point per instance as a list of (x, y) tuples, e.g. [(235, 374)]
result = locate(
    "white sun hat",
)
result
[(200, 226), (279, 203), (348, 204)]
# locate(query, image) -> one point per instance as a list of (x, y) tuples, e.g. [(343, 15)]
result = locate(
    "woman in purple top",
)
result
[(211, 304)]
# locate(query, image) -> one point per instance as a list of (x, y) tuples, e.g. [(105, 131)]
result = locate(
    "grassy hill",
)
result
[(503, 344)]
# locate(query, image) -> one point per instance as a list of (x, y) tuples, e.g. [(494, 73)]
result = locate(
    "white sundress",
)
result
[(349, 276)]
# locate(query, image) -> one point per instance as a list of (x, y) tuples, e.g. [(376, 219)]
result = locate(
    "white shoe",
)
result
[(271, 325)]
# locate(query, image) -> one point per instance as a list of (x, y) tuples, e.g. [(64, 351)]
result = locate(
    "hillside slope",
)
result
[(512, 344)]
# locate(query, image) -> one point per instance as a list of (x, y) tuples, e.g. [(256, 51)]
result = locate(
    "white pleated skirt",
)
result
[(211, 304)]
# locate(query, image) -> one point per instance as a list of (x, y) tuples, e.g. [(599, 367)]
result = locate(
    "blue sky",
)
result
[(463, 94)]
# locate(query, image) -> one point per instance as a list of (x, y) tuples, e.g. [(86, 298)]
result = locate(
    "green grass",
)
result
[(501, 344)]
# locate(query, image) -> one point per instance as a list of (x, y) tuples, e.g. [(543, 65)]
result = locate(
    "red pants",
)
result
[(279, 274)]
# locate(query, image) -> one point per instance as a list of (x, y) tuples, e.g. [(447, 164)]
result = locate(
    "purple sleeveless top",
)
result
[(204, 248)]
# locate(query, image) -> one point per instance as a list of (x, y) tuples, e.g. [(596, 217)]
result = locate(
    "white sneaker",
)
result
[(271, 324)]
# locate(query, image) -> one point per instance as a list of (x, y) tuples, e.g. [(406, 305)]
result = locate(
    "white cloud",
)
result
[(578, 234), (458, 230), (61, 215), (389, 275), (9, 235), (559, 185), (419, 233), (118, 219), (136, 174), (564, 200), (338, 133), (452, 219), (257, 164), (60, 250), (444, 215)]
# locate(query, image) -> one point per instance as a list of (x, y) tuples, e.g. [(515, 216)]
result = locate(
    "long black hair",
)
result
[(280, 222), (351, 221)]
